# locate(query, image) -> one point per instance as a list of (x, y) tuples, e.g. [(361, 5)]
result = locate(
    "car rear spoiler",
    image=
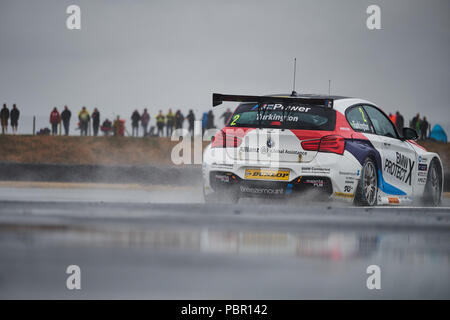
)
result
[(219, 98)]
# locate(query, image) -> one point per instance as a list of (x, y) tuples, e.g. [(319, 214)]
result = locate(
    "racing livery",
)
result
[(346, 148)]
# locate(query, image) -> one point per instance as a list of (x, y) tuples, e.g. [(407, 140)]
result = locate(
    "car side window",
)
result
[(381, 123), (357, 118)]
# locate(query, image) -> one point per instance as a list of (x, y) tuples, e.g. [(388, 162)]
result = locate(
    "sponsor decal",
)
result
[(401, 169), (267, 174), (421, 180), (315, 170), (360, 126), (265, 149), (279, 106), (222, 178), (422, 174), (255, 190), (345, 173), (348, 189), (315, 182), (422, 159), (393, 200), (343, 195), (423, 167), (344, 128)]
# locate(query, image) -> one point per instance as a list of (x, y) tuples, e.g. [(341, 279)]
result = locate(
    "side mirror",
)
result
[(410, 134)]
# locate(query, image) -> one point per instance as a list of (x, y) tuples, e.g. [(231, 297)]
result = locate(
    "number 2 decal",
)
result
[(235, 118)]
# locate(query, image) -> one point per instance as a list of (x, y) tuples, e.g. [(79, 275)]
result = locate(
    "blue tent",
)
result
[(438, 134)]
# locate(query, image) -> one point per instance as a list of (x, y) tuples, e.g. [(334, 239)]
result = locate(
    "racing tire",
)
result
[(366, 192), (433, 187)]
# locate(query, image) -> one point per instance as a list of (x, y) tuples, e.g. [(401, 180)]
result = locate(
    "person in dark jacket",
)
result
[(4, 116), (55, 119), (95, 121), (15, 113), (179, 119), (424, 129), (399, 122), (191, 120), (135, 118), (106, 127), (145, 119), (210, 121), (65, 117)]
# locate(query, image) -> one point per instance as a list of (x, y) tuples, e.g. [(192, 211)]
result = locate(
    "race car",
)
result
[(344, 148)]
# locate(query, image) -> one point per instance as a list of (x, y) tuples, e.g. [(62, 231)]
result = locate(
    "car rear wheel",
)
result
[(433, 187), (366, 192)]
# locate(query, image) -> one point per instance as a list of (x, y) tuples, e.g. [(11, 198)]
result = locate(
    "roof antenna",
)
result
[(294, 93)]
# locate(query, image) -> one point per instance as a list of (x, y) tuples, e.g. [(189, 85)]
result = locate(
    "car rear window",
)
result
[(301, 116)]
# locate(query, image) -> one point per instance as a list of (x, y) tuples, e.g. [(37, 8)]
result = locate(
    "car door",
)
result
[(398, 158)]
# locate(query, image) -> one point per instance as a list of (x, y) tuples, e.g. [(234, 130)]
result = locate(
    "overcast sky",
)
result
[(160, 54)]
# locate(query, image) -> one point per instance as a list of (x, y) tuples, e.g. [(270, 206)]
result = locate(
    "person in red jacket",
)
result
[(55, 119)]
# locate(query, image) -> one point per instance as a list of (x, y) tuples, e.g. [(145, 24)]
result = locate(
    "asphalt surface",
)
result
[(166, 243)]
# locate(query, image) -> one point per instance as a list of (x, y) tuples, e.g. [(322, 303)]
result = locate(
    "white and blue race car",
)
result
[(346, 148)]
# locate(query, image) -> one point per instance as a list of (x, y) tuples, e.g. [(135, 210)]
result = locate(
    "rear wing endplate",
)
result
[(219, 98)]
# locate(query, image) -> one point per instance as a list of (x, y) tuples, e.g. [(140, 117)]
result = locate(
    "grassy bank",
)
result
[(86, 150), (113, 150)]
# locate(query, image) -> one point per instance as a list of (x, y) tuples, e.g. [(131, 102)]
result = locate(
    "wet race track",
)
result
[(164, 242)]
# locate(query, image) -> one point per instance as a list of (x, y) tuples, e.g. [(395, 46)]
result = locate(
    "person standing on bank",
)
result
[(65, 117), (145, 119), (15, 113), (135, 118), (191, 120), (160, 122), (84, 118), (55, 119), (170, 123), (95, 121), (4, 116)]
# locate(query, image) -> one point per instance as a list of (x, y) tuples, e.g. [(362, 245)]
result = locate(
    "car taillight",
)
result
[(223, 140), (311, 145), (333, 144)]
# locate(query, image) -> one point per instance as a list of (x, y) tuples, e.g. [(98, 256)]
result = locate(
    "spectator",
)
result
[(170, 122), (204, 122), (145, 119), (226, 115), (399, 122), (210, 121), (95, 121), (118, 127), (179, 118), (415, 121), (160, 122), (4, 116), (84, 118), (55, 119), (393, 118), (191, 120), (65, 116), (15, 113), (135, 118), (106, 127), (424, 128)]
